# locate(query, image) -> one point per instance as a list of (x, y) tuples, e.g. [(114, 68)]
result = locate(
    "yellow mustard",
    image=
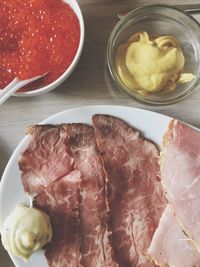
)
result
[(150, 65), (26, 230)]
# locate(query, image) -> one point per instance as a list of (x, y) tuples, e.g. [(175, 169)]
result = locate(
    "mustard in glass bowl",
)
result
[(153, 54)]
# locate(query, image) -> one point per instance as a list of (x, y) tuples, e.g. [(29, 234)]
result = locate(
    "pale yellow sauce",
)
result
[(149, 65), (26, 230)]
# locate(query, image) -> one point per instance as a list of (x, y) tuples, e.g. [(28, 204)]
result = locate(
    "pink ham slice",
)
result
[(135, 196), (170, 246), (180, 173), (60, 201), (96, 250), (45, 159)]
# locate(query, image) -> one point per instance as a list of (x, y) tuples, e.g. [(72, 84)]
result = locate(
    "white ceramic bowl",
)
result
[(74, 5)]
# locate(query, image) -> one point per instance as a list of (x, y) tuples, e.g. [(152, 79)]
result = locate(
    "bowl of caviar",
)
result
[(153, 54), (38, 37)]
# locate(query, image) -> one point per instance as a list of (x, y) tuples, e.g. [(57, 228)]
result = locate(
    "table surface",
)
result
[(89, 84)]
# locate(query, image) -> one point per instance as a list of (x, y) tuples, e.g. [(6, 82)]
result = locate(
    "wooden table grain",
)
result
[(89, 84)]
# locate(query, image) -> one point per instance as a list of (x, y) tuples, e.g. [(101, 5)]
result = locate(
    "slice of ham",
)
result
[(180, 171), (45, 159), (60, 201), (135, 199), (170, 246), (96, 249)]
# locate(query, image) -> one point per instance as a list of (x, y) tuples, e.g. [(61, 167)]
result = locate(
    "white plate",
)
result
[(151, 124)]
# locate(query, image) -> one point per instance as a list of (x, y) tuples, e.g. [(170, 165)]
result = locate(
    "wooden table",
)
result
[(89, 84)]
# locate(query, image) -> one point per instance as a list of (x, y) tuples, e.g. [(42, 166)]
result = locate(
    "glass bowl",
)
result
[(159, 20)]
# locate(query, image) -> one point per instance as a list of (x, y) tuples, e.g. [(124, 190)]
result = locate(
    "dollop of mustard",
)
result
[(148, 65), (26, 230)]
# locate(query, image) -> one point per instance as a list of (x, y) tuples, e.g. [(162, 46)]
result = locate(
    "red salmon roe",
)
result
[(36, 36)]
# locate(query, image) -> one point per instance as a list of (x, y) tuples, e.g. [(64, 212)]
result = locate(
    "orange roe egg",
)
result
[(36, 37)]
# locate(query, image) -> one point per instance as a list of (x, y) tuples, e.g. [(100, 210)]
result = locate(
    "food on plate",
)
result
[(60, 201), (62, 168), (36, 37), (148, 64), (26, 230), (170, 246), (135, 198), (102, 190), (45, 159), (47, 172), (180, 172), (96, 249)]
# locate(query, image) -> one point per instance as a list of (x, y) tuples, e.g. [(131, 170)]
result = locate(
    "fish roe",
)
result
[(36, 37)]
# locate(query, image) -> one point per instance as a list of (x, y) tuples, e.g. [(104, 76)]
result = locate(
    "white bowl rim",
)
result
[(69, 70)]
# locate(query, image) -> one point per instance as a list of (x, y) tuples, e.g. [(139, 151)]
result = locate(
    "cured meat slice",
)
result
[(60, 201), (96, 249), (180, 172), (48, 174), (135, 195), (170, 246), (45, 159)]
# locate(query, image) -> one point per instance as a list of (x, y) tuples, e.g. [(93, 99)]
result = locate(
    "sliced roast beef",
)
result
[(180, 172), (135, 195), (59, 164), (47, 172), (60, 201), (96, 249), (170, 246), (45, 159)]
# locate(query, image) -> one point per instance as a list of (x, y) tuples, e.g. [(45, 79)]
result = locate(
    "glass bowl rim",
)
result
[(114, 35)]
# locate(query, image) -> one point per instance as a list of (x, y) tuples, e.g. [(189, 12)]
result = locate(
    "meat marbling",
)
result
[(60, 164), (60, 201), (47, 172), (135, 195), (45, 159), (96, 249)]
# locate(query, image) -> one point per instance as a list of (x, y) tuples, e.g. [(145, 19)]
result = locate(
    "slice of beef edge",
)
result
[(47, 172), (135, 197), (60, 201), (96, 249), (45, 158)]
